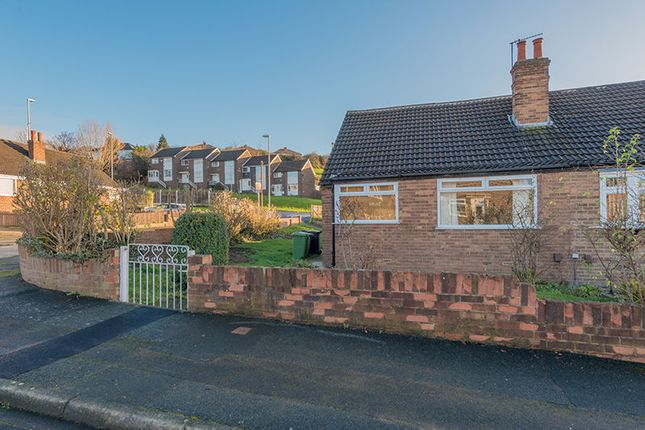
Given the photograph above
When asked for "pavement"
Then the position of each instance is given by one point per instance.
(93, 356)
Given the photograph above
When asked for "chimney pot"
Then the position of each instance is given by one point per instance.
(36, 147)
(521, 50)
(537, 48)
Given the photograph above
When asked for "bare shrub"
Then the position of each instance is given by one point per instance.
(59, 204)
(355, 252)
(116, 214)
(244, 219)
(622, 230)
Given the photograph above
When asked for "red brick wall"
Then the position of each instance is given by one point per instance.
(161, 235)
(531, 90)
(95, 278)
(568, 201)
(452, 306)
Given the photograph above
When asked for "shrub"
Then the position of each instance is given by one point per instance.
(59, 205)
(244, 219)
(116, 213)
(204, 232)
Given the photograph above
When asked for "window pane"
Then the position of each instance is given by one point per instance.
(352, 189)
(461, 184)
(353, 208)
(509, 182)
(487, 208)
(615, 182)
(615, 206)
(381, 188)
(6, 186)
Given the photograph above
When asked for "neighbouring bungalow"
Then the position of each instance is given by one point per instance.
(14, 155)
(440, 186)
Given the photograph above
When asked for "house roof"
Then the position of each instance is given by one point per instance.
(14, 155)
(168, 152)
(127, 147)
(476, 136)
(257, 159)
(198, 153)
(229, 155)
(291, 166)
(288, 152)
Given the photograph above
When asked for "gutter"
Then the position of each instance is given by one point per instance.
(333, 228)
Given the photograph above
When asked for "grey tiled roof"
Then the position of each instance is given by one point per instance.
(229, 155)
(198, 153)
(476, 136)
(290, 166)
(256, 160)
(168, 152)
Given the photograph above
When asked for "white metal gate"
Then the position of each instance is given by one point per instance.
(155, 275)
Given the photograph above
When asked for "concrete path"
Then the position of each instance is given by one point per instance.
(265, 375)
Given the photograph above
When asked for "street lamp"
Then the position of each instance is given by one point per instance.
(111, 154)
(268, 138)
(29, 102)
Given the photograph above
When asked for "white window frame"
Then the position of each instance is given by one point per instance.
(14, 185)
(185, 162)
(485, 187)
(214, 163)
(154, 161)
(153, 175)
(632, 189)
(246, 169)
(277, 174)
(229, 173)
(366, 192)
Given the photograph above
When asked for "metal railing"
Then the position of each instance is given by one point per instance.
(155, 275)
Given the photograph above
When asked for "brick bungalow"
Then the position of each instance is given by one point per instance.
(436, 187)
(294, 178)
(14, 155)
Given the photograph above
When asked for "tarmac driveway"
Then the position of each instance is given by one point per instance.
(266, 375)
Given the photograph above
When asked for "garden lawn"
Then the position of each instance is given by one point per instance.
(551, 291)
(274, 252)
(285, 203)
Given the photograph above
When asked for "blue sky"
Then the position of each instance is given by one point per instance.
(228, 71)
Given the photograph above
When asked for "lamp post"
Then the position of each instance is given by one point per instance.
(29, 102)
(109, 133)
(268, 138)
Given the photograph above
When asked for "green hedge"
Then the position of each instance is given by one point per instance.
(204, 232)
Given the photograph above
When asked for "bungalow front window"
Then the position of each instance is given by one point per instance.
(622, 197)
(493, 202)
(375, 203)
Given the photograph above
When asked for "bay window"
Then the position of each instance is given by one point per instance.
(622, 196)
(488, 202)
(375, 203)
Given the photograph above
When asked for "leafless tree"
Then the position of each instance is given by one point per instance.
(64, 141)
(356, 253)
(96, 140)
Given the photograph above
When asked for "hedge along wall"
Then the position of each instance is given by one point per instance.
(95, 278)
(452, 306)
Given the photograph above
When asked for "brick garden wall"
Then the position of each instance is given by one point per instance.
(457, 307)
(95, 278)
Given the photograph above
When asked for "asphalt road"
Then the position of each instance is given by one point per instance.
(281, 376)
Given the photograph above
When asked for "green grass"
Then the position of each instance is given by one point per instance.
(285, 203)
(273, 252)
(143, 293)
(583, 293)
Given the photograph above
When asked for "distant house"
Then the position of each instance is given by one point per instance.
(193, 166)
(165, 165)
(125, 152)
(441, 186)
(294, 178)
(255, 170)
(226, 169)
(14, 155)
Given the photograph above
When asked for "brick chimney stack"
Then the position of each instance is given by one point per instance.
(530, 86)
(36, 147)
